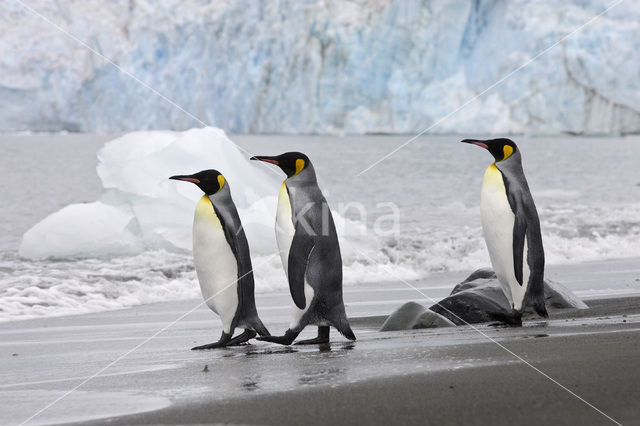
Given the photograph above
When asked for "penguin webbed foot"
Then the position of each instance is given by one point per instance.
(286, 340)
(323, 337)
(516, 319)
(242, 338)
(223, 342)
(215, 345)
(513, 319)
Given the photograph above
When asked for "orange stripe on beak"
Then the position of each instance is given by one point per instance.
(186, 179)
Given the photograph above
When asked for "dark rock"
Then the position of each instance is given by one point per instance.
(482, 273)
(477, 299)
(558, 296)
(472, 307)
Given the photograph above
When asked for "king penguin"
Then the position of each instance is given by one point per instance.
(512, 229)
(222, 261)
(310, 252)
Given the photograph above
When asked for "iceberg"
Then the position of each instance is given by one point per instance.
(141, 209)
(384, 66)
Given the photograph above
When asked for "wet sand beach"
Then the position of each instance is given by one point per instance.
(148, 375)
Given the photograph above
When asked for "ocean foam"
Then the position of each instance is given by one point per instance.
(132, 246)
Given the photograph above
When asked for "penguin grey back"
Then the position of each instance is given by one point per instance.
(527, 224)
(314, 225)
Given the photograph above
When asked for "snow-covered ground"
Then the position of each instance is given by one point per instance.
(125, 240)
(321, 66)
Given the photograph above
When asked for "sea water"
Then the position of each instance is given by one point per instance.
(420, 207)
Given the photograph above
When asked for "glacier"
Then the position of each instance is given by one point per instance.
(318, 66)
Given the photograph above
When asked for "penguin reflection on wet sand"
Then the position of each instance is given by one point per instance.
(512, 229)
(310, 252)
(222, 261)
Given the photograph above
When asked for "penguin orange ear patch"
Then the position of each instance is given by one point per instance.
(508, 150)
(299, 165)
(221, 180)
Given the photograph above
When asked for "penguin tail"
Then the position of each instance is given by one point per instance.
(345, 329)
(536, 301)
(338, 318)
(349, 334)
(259, 327)
(541, 309)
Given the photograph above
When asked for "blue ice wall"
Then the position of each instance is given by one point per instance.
(315, 66)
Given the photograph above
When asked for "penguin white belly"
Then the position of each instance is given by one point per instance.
(284, 236)
(497, 224)
(215, 263)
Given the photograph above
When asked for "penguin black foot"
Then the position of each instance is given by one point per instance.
(287, 339)
(323, 337)
(513, 319)
(223, 342)
(516, 320)
(242, 338)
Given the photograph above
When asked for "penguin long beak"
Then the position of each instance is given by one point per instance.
(475, 142)
(186, 178)
(265, 159)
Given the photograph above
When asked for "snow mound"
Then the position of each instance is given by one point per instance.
(141, 209)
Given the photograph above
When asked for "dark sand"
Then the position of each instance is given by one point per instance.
(594, 353)
(500, 394)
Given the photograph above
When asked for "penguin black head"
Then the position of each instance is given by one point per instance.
(291, 163)
(501, 148)
(210, 181)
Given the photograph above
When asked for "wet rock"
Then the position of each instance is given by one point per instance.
(411, 316)
(473, 307)
(477, 299)
(558, 296)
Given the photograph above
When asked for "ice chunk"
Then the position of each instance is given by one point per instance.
(83, 229)
(142, 209)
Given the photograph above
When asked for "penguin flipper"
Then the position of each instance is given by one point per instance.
(519, 233)
(301, 247)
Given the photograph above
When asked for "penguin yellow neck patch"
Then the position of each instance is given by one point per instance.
(205, 212)
(493, 180)
(220, 181)
(507, 150)
(299, 165)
